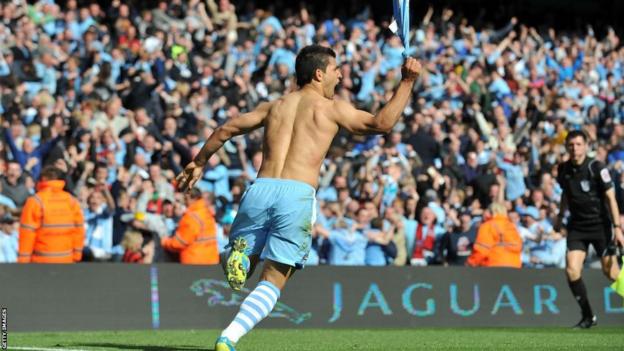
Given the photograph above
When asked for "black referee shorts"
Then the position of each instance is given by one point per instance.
(600, 240)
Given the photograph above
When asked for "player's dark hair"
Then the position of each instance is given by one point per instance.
(574, 134)
(309, 59)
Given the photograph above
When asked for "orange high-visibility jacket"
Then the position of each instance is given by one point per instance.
(498, 244)
(51, 227)
(196, 237)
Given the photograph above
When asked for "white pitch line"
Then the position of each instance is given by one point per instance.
(41, 348)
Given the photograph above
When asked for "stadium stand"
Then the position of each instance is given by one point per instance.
(121, 99)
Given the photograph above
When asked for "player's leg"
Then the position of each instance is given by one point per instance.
(277, 273)
(287, 247)
(575, 257)
(282, 258)
(260, 302)
(237, 328)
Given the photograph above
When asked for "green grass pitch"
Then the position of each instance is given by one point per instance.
(599, 338)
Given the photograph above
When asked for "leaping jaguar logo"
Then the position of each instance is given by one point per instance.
(220, 294)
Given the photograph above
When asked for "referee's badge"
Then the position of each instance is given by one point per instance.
(585, 185)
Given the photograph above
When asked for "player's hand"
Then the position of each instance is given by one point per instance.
(191, 174)
(619, 237)
(411, 69)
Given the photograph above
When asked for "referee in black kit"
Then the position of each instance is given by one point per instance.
(589, 196)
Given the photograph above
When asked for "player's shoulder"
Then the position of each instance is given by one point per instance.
(341, 107)
(339, 110)
(267, 105)
(341, 104)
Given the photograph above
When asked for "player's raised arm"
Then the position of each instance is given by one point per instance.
(242, 124)
(362, 122)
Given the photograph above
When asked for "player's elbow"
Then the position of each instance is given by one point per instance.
(224, 132)
(378, 127)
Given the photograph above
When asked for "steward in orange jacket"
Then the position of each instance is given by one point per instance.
(498, 242)
(52, 224)
(196, 237)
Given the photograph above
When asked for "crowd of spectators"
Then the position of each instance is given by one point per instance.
(122, 98)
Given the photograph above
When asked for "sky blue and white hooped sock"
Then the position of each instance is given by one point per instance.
(254, 308)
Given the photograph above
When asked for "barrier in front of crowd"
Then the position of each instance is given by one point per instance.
(171, 296)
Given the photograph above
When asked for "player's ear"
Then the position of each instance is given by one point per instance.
(318, 74)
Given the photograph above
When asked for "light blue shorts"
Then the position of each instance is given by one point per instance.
(275, 217)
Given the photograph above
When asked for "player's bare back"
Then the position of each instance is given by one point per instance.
(298, 132)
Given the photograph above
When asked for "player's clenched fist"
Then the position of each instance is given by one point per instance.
(411, 69)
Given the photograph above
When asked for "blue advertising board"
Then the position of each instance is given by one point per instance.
(172, 296)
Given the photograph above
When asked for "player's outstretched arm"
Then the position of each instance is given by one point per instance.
(362, 122)
(242, 124)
